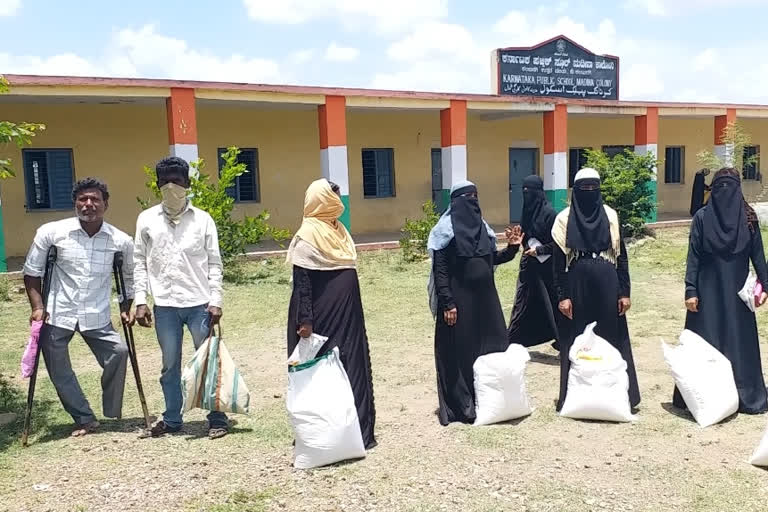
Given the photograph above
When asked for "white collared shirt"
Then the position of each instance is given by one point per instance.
(178, 264)
(81, 282)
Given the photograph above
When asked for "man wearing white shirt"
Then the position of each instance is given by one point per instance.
(79, 300)
(178, 263)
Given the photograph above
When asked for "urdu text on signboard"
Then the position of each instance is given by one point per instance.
(558, 68)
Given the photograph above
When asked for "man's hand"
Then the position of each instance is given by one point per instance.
(566, 308)
(37, 316)
(128, 318)
(450, 317)
(215, 313)
(143, 315)
(305, 331)
(624, 304)
(692, 304)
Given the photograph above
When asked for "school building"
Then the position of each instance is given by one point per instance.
(390, 151)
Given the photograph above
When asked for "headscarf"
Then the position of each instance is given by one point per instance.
(468, 224)
(322, 242)
(538, 214)
(726, 229)
(588, 226)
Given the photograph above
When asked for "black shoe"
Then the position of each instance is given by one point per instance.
(161, 428)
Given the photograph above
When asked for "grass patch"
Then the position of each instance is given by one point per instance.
(238, 501)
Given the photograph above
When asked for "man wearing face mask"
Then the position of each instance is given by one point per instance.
(179, 265)
(79, 300)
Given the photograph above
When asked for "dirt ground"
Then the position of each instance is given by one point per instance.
(664, 461)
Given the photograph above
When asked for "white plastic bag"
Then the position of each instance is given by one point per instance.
(322, 410)
(307, 349)
(704, 378)
(500, 391)
(760, 456)
(598, 384)
(747, 292)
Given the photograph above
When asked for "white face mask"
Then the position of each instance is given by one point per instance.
(174, 200)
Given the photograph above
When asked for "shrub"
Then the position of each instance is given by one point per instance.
(627, 186)
(416, 233)
(234, 235)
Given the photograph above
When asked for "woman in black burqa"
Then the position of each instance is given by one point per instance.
(592, 276)
(326, 295)
(535, 316)
(725, 236)
(463, 297)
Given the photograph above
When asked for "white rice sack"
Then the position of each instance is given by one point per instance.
(598, 384)
(760, 457)
(500, 390)
(322, 410)
(704, 377)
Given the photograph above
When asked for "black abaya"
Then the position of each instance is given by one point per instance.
(594, 286)
(468, 285)
(330, 301)
(723, 320)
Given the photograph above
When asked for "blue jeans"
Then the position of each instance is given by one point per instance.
(169, 326)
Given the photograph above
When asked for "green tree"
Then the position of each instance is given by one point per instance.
(735, 139)
(416, 233)
(19, 134)
(627, 186)
(234, 235)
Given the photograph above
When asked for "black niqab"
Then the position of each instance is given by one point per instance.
(469, 231)
(726, 231)
(588, 227)
(538, 214)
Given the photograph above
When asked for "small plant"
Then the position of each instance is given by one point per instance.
(5, 289)
(234, 235)
(416, 233)
(735, 139)
(19, 134)
(626, 183)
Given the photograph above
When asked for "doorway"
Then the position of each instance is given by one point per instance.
(522, 162)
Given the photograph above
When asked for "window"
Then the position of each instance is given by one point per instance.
(674, 167)
(612, 151)
(246, 188)
(48, 177)
(379, 173)
(751, 170)
(577, 160)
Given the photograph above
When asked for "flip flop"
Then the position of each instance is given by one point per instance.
(217, 432)
(86, 429)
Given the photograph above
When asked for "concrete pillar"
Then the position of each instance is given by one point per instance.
(646, 142)
(555, 171)
(453, 143)
(333, 148)
(182, 124)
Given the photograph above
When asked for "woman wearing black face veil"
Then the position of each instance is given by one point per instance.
(463, 298)
(535, 317)
(725, 236)
(592, 276)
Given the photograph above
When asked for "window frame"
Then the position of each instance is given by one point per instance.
(256, 180)
(572, 176)
(391, 152)
(682, 165)
(756, 164)
(27, 193)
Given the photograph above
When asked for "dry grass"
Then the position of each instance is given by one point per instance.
(543, 463)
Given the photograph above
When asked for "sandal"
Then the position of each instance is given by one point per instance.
(82, 430)
(161, 428)
(217, 432)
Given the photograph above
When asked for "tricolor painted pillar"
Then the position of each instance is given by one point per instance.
(453, 144)
(722, 150)
(333, 148)
(182, 124)
(646, 143)
(555, 173)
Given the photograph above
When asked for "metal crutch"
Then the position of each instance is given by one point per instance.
(128, 332)
(49, 263)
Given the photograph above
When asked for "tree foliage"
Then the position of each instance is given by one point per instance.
(416, 233)
(735, 139)
(19, 134)
(626, 183)
(234, 234)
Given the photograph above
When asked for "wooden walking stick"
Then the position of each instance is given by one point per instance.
(49, 263)
(128, 332)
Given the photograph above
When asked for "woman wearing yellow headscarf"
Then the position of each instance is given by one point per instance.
(326, 295)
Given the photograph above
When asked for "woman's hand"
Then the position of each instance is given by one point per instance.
(450, 317)
(692, 304)
(763, 297)
(624, 304)
(514, 235)
(566, 308)
(305, 331)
